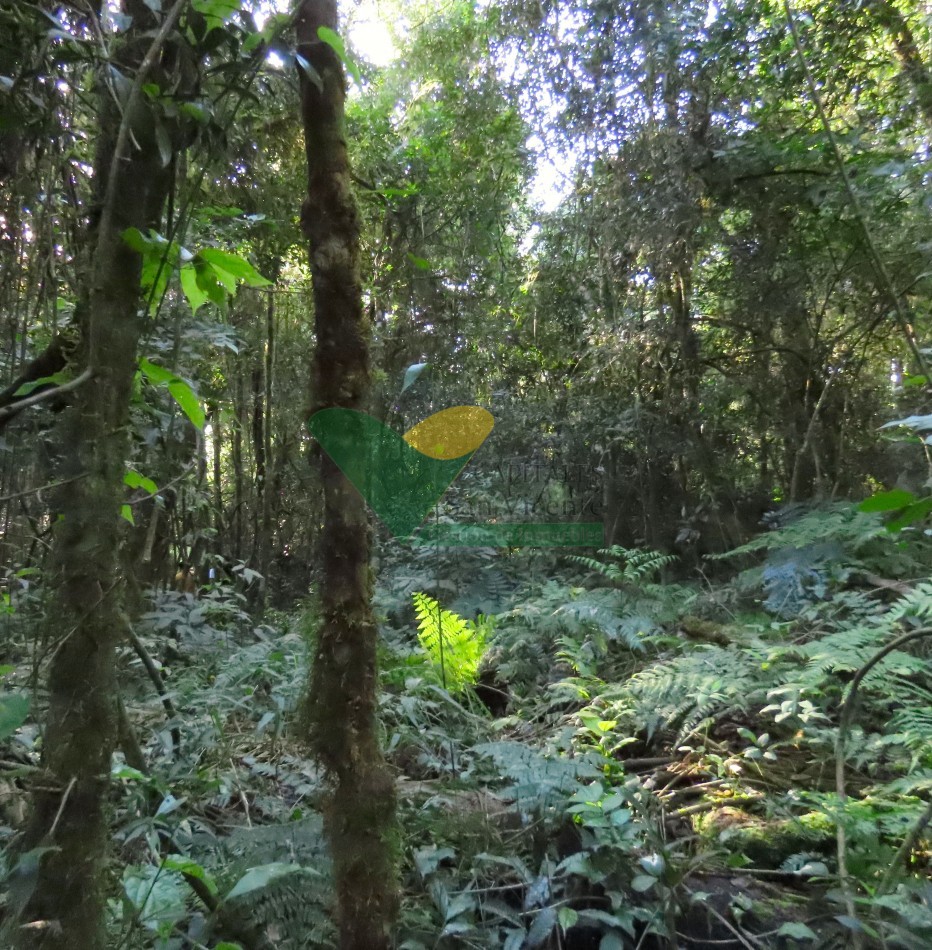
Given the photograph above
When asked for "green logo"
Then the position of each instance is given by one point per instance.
(401, 476)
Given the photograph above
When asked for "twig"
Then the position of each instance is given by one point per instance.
(158, 491)
(905, 849)
(158, 683)
(41, 488)
(716, 803)
(16, 407)
(61, 807)
(743, 939)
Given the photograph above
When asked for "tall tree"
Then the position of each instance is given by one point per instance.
(68, 817)
(342, 698)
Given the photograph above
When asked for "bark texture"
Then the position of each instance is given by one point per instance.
(342, 692)
(66, 907)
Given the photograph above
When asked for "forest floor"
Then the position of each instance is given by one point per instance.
(605, 759)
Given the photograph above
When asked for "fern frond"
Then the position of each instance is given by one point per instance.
(628, 565)
(689, 689)
(454, 645)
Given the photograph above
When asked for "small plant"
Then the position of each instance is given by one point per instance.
(455, 645)
(626, 565)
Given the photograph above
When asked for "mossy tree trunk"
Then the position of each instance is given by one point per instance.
(66, 908)
(343, 684)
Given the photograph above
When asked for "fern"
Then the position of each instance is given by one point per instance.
(630, 565)
(689, 691)
(840, 524)
(455, 645)
(591, 611)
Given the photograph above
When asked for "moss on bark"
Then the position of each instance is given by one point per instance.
(360, 816)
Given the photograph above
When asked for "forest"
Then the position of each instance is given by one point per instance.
(465, 474)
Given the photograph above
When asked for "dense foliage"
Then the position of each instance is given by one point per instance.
(681, 252)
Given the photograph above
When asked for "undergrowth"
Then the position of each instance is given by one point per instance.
(662, 768)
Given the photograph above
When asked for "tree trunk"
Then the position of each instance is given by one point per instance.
(268, 497)
(342, 695)
(239, 423)
(216, 438)
(66, 908)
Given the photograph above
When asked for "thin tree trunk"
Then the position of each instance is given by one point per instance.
(265, 528)
(239, 403)
(217, 445)
(360, 815)
(66, 910)
(258, 453)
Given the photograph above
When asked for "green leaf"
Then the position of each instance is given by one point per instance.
(195, 296)
(158, 895)
(918, 423)
(190, 405)
(225, 278)
(611, 941)
(887, 501)
(180, 390)
(642, 882)
(797, 930)
(216, 12)
(56, 379)
(335, 42)
(136, 240)
(155, 374)
(567, 918)
(237, 267)
(163, 143)
(411, 375)
(910, 515)
(126, 512)
(159, 257)
(134, 480)
(186, 866)
(208, 282)
(257, 878)
(542, 927)
(13, 712)
(421, 263)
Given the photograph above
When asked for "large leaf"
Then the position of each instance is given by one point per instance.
(236, 267)
(259, 877)
(918, 423)
(157, 894)
(412, 373)
(135, 480)
(335, 42)
(14, 709)
(193, 292)
(56, 379)
(180, 390)
(887, 501)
